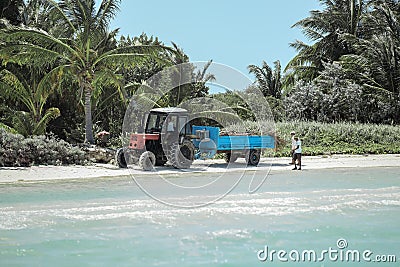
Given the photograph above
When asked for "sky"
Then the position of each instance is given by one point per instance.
(235, 33)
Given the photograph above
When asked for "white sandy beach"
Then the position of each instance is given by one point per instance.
(38, 173)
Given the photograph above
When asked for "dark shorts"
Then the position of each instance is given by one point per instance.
(297, 156)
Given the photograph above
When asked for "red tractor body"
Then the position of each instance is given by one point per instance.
(138, 141)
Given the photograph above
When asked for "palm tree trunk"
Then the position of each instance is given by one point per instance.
(88, 117)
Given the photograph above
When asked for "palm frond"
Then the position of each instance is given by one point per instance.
(28, 54)
(263, 76)
(108, 78)
(22, 122)
(38, 41)
(49, 84)
(50, 114)
(106, 12)
(58, 9)
(178, 55)
(204, 71)
(155, 51)
(14, 89)
(123, 60)
(8, 128)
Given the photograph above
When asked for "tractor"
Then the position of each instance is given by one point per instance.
(166, 137)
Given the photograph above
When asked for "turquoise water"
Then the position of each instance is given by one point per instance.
(110, 222)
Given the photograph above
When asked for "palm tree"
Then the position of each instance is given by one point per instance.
(189, 79)
(268, 80)
(33, 96)
(82, 51)
(324, 28)
(375, 63)
(380, 51)
(27, 88)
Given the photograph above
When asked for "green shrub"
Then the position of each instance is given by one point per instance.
(340, 138)
(15, 150)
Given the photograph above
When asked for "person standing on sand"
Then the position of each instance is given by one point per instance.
(297, 154)
(292, 134)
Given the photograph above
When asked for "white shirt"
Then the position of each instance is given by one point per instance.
(298, 143)
(170, 126)
(293, 143)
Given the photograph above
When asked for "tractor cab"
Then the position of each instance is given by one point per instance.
(165, 120)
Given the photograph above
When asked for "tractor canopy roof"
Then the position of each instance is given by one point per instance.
(169, 110)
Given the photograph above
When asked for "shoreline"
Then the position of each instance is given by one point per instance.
(45, 173)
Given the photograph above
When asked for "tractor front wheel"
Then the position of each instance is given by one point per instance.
(147, 161)
(120, 158)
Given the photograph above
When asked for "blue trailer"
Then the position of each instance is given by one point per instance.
(209, 142)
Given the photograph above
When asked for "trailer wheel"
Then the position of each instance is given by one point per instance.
(120, 158)
(230, 157)
(147, 161)
(253, 157)
(181, 156)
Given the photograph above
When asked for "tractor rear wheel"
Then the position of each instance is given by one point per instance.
(253, 157)
(147, 161)
(181, 156)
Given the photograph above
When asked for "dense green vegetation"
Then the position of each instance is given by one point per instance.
(320, 138)
(349, 71)
(63, 71)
